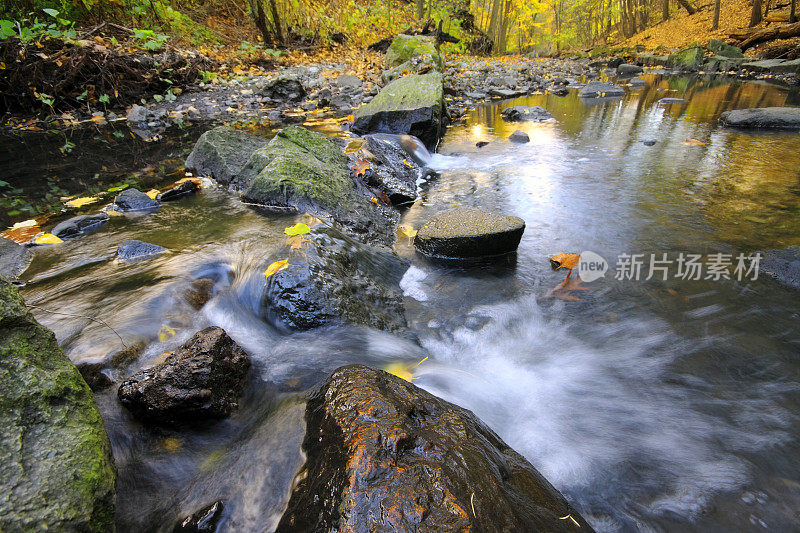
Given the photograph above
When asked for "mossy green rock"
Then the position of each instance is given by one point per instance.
(56, 469)
(412, 105)
(688, 58)
(222, 152)
(406, 47)
(721, 48)
(306, 171)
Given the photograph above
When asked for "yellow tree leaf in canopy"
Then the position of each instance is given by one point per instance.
(277, 266)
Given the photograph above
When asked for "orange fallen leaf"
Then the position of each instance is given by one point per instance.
(21, 234)
(694, 142)
(360, 167)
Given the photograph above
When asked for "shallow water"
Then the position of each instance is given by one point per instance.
(652, 405)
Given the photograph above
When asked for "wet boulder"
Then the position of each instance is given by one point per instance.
(467, 232)
(782, 118)
(133, 250)
(393, 169)
(783, 265)
(284, 89)
(222, 152)
(135, 200)
(406, 47)
(599, 89)
(201, 380)
(306, 171)
(203, 521)
(14, 258)
(179, 191)
(79, 226)
(519, 137)
(385, 455)
(520, 113)
(412, 105)
(331, 279)
(57, 470)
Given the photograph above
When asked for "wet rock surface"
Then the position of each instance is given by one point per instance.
(519, 137)
(520, 113)
(306, 171)
(385, 455)
(222, 152)
(599, 89)
(628, 70)
(57, 469)
(332, 279)
(393, 169)
(131, 200)
(203, 521)
(79, 226)
(787, 118)
(201, 380)
(783, 265)
(413, 105)
(180, 191)
(469, 233)
(14, 258)
(133, 250)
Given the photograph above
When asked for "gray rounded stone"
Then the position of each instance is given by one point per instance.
(467, 232)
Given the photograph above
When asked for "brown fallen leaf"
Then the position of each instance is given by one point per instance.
(360, 167)
(693, 142)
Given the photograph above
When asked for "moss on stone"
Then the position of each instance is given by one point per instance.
(688, 57)
(415, 91)
(405, 47)
(58, 473)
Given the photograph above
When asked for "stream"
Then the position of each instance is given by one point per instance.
(652, 405)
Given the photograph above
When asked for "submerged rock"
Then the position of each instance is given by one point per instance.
(306, 171)
(385, 455)
(202, 379)
(519, 137)
(14, 258)
(787, 118)
(79, 226)
(181, 190)
(135, 200)
(203, 521)
(134, 250)
(469, 233)
(413, 105)
(57, 469)
(393, 170)
(599, 89)
(526, 113)
(331, 279)
(783, 265)
(222, 152)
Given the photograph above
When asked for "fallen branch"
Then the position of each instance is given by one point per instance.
(768, 34)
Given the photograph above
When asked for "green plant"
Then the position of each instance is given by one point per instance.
(32, 29)
(150, 40)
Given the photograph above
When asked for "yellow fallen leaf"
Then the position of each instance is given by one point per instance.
(402, 370)
(152, 193)
(406, 163)
(80, 202)
(277, 266)
(353, 146)
(694, 142)
(296, 242)
(171, 444)
(165, 333)
(297, 229)
(374, 200)
(47, 238)
(406, 231)
(113, 213)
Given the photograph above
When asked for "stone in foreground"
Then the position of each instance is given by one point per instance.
(385, 455)
(79, 226)
(413, 105)
(464, 233)
(56, 464)
(599, 89)
(14, 258)
(519, 113)
(201, 380)
(783, 118)
(135, 200)
(783, 265)
(133, 250)
(222, 152)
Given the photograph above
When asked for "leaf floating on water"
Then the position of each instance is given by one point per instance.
(406, 231)
(693, 142)
(277, 266)
(171, 444)
(25, 224)
(113, 213)
(165, 333)
(402, 370)
(80, 202)
(297, 229)
(153, 193)
(47, 238)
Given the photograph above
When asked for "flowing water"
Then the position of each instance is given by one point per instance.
(653, 405)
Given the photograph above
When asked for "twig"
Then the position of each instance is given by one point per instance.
(99, 321)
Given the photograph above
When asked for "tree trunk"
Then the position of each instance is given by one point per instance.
(755, 14)
(792, 15)
(665, 10)
(276, 21)
(260, 20)
(715, 23)
(420, 8)
(767, 34)
(687, 6)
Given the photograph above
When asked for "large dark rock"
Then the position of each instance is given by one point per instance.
(284, 89)
(469, 233)
(331, 279)
(599, 89)
(14, 258)
(135, 200)
(222, 152)
(627, 69)
(783, 265)
(179, 191)
(787, 118)
(385, 455)
(526, 113)
(393, 169)
(79, 226)
(201, 380)
(306, 171)
(134, 250)
(413, 105)
(56, 464)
